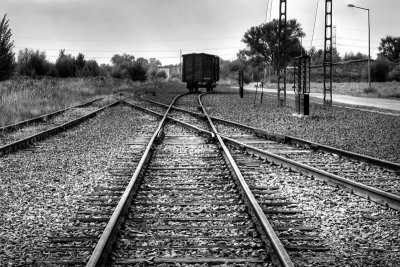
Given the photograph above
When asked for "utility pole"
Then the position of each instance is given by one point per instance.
(328, 69)
(334, 37)
(180, 58)
(282, 54)
(369, 43)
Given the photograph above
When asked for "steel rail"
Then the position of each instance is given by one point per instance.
(295, 140)
(280, 251)
(190, 126)
(371, 193)
(104, 245)
(17, 125)
(23, 143)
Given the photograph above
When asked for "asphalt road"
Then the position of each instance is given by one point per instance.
(381, 103)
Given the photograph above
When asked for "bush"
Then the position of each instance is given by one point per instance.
(137, 72)
(66, 67)
(380, 69)
(394, 75)
(91, 69)
(33, 63)
(369, 90)
(105, 70)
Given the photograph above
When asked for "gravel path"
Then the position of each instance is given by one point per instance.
(362, 132)
(41, 187)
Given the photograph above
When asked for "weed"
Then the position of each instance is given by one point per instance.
(370, 90)
(25, 98)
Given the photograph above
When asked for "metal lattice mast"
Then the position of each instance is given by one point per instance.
(334, 37)
(282, 54)
(328, 70)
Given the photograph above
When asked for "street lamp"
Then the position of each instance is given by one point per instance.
(369, 42)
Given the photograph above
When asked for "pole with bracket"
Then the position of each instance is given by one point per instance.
(282, 54)
(328, 69)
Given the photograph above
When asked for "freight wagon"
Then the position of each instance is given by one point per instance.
(200, 70)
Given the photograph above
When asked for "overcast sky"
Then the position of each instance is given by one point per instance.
(160, 28)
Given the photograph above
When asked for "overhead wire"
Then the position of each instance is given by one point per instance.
(266, 12)
(315, 21)
(128, 51)
(270, 10)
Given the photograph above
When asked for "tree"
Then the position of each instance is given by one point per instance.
(317, 56)
(33, 63)
(124, 59)
(80, 63)
(380, 69)
(105, 70)
(137, 72)
(7, 60)
(351, 56)
(66, 65)
(263, 40)
(122, 66)
(389, 48)
(91, 69)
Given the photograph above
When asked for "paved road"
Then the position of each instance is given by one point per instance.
(382, 103)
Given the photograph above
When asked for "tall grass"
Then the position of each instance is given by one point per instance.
(24, 98)
(378, 89)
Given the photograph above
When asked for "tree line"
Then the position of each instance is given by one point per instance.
(262, 50)
(35, 63)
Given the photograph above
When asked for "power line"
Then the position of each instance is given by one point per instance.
(315, 20)
(270, 10)
(128, 51)
(129, 41)
(266, 12)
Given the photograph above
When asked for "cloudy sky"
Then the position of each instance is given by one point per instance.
(161, 28)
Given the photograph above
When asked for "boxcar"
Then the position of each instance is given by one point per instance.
(200, 70)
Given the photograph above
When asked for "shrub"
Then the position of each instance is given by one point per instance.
(394, 75)
(33, 63)
(369, 90)
(137, 72)
(105, 70)
(380, 69)
(91, 69)
(66, 65)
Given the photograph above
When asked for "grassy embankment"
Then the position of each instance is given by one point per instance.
(380, 90)
(28, 98)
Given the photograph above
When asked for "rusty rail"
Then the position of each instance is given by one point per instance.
(23, 143)
(15, 126)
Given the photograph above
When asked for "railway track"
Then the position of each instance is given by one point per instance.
(25, 133)
(188, 203)
(275, 186)
(74, 243)
(188, 208)
(279, 208)
(369, 177)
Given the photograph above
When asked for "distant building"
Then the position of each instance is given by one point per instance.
(170, 70)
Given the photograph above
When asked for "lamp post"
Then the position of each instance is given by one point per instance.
(369, 42)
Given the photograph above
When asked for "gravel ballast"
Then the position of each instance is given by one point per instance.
(356, 231)
(367, 133)
(41, 186)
